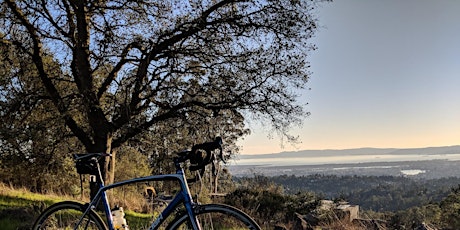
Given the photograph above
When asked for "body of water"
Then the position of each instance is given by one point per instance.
(346, 159)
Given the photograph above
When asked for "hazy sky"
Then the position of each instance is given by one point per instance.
(386, 74)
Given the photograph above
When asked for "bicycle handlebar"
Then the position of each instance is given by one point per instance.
(208, 147)
(198, 162)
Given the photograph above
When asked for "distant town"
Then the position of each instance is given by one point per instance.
(427, 163)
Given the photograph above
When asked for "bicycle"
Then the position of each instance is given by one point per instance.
(76, 215)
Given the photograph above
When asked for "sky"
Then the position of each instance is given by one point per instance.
(386, 75)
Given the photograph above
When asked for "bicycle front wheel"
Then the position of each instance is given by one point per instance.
(66, 215)
(216, 217)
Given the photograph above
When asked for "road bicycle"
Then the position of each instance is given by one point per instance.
(189, 215)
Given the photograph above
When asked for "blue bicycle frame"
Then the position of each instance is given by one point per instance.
(183, 196)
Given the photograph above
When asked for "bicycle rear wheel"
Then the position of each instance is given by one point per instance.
(65, 215)
(216, 217)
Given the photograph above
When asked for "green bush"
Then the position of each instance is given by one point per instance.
(268, 203)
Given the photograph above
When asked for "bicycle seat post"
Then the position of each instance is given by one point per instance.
(99, 177)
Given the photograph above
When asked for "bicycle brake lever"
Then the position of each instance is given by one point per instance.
(221, 156)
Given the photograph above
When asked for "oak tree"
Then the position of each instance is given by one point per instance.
(128, 65)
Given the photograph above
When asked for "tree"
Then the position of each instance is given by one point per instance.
(450, 208)
(33, 154)
(129, 64)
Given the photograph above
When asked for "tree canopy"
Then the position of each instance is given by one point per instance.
(112, 70)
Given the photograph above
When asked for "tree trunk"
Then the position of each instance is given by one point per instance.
(106, 164)
(109, 166)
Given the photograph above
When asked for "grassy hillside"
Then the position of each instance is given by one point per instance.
(19, 208)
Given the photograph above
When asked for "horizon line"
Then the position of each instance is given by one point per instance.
(357, 148)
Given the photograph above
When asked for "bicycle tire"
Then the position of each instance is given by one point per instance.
(65, 215)
(216, 217)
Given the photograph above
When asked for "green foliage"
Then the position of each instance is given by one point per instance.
(414, 217)
(19, 207)
(415, 202)
(450, 207)
(35, 142)
(131, 164)
(43, 173)
(378, 193)
(267, 202)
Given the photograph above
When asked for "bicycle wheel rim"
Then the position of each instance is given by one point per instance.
(66, 215)
(216, 217)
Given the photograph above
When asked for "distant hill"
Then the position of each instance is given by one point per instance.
(359, 151)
